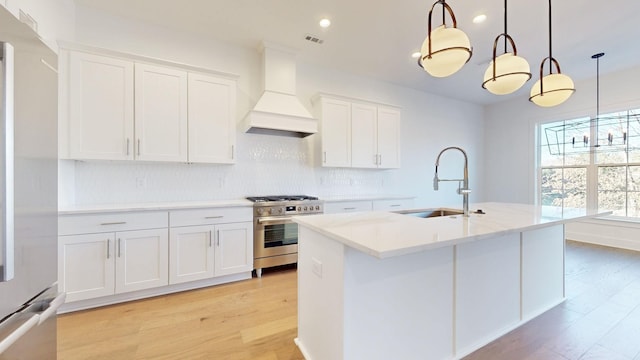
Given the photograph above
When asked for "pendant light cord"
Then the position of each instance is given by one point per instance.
(550, 56)
(505, 26)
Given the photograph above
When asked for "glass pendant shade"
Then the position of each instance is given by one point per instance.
(450, 50)
(554, 90)
(511, 72)
(446, 49)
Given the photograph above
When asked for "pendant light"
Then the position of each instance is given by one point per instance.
(508, 72)
(554, 88)
(446, 49)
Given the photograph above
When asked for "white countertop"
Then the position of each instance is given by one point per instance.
(177, 205)
(364, 197)
(105, 208)
(386, 234)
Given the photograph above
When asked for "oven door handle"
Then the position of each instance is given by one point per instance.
(275, 220)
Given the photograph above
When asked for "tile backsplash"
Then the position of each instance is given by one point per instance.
(265, 165)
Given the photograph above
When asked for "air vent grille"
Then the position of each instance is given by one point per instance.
(313, 39)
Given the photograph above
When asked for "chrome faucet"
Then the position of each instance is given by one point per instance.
(462, 190)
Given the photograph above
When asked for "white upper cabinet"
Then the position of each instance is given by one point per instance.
(118, 109)
(100, 107)
(388, 137)
(335, 129)
(160, 113)
(364, 150)
(212, 119)
(358, 134)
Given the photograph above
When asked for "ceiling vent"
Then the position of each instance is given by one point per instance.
(313, 39)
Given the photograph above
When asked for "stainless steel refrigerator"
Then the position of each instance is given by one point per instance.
(28, 194)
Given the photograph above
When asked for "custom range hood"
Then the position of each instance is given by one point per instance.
(278, 111)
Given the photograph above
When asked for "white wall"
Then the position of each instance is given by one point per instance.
(55, 18)
(509, 144)
(269, 164)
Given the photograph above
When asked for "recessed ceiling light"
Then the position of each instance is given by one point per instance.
(325, 23)
(479, 18)
(416, 55)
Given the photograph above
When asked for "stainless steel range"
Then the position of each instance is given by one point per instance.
(275, 235)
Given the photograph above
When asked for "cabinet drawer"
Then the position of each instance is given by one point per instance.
(347, 206)
(111, 222)
(210, 216)
(392, 205)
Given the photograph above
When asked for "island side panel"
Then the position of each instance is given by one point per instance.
(542, 270)
(399, 307)
(487, 291)
(320, 296)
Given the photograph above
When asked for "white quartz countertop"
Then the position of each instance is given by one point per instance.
(156, 206)
(386, 234)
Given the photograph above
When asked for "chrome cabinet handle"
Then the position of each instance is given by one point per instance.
(114, 223)
(324, 157)
(128, 146)
(119, 247)
(349, 208)
(214, 217)
(138, 147)
(233, 152)
(210, 236)
(218, 238)
(379, 159)
(108, 248)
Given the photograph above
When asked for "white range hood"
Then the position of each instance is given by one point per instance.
(278, 111)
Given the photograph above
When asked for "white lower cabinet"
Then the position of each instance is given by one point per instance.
(234, 248)
(142, 259)
(86, 266)
(216, 249)
(94, 265)
(103, 255)
(191, 249)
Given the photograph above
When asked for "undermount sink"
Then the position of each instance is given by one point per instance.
(429, 213)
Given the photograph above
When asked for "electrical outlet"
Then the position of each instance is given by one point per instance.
(141, 182)
(317, 267)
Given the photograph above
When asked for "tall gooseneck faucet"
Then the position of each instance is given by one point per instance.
(462, 190)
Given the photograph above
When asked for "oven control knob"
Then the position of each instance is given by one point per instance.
(305, 208)
(299, 208)
(317, 207)
(280, 210)
(259, 211)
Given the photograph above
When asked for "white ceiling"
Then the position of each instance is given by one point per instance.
(375, 38)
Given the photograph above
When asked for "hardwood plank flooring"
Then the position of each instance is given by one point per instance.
(253, 319)
(257, 319)
(600, 318)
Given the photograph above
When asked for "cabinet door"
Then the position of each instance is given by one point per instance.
(190, 253)
(388, 137)
(336, 133)
(100, 107)
(212, 119)
(233, 248)
(364, 152)
(161, 113)
(86, 265)
(142, 259)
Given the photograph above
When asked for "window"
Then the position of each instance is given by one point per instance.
(592, 163)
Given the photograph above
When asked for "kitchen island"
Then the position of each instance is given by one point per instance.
(380, 285)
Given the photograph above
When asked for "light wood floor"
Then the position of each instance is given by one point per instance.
(256, 319)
